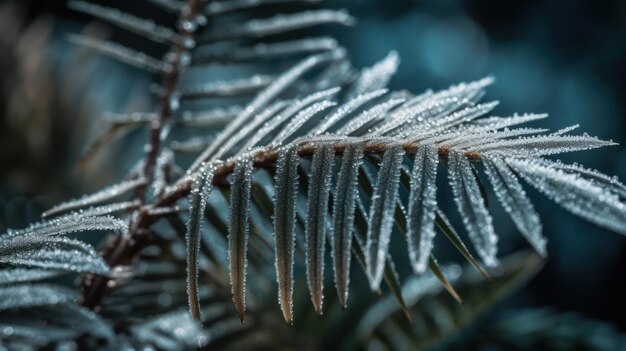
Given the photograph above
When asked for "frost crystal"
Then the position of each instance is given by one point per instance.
(315, 227)
(301, 118)
(422, 206)
(345, 110)
(57, 253)
(284, 226)
(238, 231)
(515, 202)
(471, 205)
(103, 195)
(296, 107)
(576, 194)
(71, 223)
(202, 185)
(543, 145)
(261, 100)
(376, 77)
(344, 203)
(381, 218)
(245, 131)
(366, 117)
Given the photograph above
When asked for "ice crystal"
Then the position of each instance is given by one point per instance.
(103, 195)
(376, 77)
(344, 204)
(316, 221)
(422, 206)
(381, 215)
(471, 205)
(284, 226)
(238, 231)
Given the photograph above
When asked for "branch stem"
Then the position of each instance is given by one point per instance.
(266, 159)
(122, 250)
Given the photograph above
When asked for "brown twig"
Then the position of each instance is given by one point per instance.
(121, 250)
(266, 159)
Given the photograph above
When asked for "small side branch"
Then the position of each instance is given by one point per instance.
(122, 250)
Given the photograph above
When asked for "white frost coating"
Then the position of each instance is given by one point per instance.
(262, 99)
(433, 127)
(228, 88)
(109, 209)
(471, 205)
(336, 74)
(543, 145)
(515, 202)
(71, 223)
(245, 131)
(215, 117)
(611, 184)
(345, 110)
(272, 125)
(576, 194)
(495, 123)
(281, 23)
(368, 116)
(402, 115)
(200, 191)
(286, 180)
(103, 195)
(422, 206)
(565, 130)
(344, 203)
(381, 215)
(316, 221)
(238, 231)
(56, 254)
(430, 115)
(466, 91)
(51, 253)
(376, 77)
(143, 27)
(299, 120)
(429, 107)
(461, 89)
(463, 139)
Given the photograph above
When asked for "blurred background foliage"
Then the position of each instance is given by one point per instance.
(566, 58)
